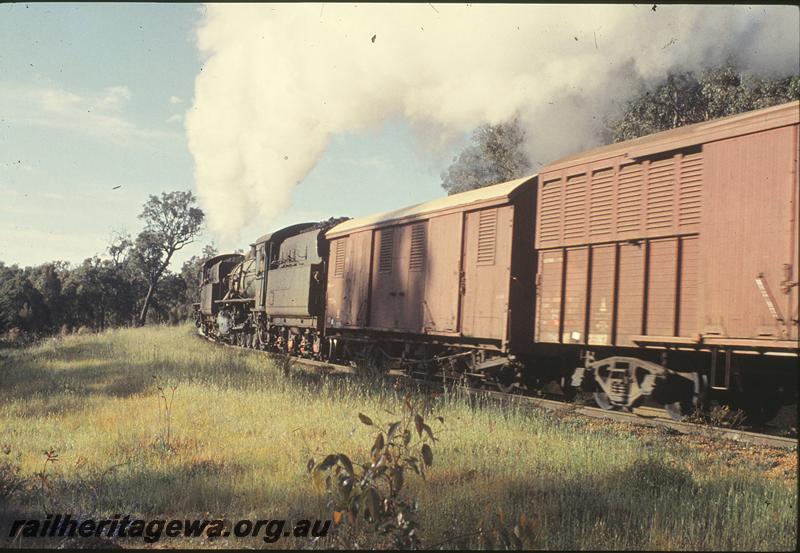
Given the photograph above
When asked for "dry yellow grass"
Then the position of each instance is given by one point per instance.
(241, 435)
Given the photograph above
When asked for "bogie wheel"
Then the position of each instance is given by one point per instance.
(679, 410)
(369, 360)
(683, 396)
(602, 401)
(759, 409)
(505, 387)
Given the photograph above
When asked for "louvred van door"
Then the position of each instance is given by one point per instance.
(486, 272)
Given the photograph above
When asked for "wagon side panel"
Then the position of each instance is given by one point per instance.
(347, 294)
(749, 235)
(442, 269)
(549, 296)
(601, 295)
(487, 272)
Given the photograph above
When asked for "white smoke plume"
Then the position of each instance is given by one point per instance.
(280, 80)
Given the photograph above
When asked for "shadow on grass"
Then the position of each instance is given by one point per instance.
(195, 490)
(648, 504)
(61, 376)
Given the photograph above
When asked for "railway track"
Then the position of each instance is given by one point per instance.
(641, 416)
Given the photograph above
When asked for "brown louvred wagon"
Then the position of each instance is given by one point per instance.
(676, 254)
(439, 284)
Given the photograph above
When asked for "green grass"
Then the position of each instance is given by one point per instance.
(242, 434)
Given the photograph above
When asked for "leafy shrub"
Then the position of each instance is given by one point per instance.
(367, 498)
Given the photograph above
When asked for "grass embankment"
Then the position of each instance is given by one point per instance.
(241, 434)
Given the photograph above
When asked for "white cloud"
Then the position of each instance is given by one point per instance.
(16, 164)
(174, 100)
(175, 118)
(57, 101)
(114, 97)
(32, 246)
(99, 115)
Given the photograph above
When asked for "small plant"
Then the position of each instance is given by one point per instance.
(506, 535)
(166, 398)
(368, 497)
(10, 479)
(15, 335)
(285, 364)
(723, 415)
(719, 415)
(368, 503)
(51, 457)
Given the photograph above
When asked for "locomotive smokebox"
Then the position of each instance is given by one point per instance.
(224, 322)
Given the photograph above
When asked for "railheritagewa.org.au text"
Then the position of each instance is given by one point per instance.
(151, 531)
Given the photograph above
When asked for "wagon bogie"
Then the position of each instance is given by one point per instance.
(627, 382)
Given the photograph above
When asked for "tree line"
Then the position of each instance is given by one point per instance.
(134, 285)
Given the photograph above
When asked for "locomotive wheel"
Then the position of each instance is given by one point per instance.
(369, 360)
(507, 379)
(602, 401)
(505, 387)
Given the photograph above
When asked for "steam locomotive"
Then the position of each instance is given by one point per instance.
(661, 269)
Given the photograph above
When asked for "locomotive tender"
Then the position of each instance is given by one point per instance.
(661, 268)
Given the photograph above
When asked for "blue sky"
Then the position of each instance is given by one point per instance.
(94, 101)
(92, 97)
